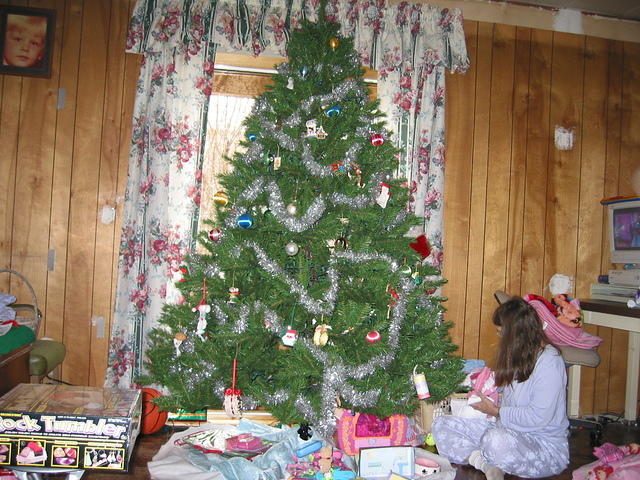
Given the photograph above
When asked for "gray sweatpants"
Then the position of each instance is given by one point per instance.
(523, 454)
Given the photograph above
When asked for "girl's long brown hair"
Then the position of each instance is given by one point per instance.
(522, 340)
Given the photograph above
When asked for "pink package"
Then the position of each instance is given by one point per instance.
(360, 430)
(244, 441)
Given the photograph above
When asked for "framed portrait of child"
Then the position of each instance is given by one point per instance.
(26, 40)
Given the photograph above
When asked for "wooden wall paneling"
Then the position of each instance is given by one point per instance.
(9, 128)
(630, 135)
(538, 132)
(84, 189)
(612, 173)
(498, 180)
(34, 169)
(518, 169)
(564, 165)
(68, 32)
(593, 136)
(457, 192)
(480, 111)
(107, 238)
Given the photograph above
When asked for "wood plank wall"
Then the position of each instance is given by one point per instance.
(60, 164)
(517, 209)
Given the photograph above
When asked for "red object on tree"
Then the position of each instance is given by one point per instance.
(421, 245)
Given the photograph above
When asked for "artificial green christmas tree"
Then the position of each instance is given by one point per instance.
(309, 284)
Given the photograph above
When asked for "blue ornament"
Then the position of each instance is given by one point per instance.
(334, 111)
(252, 136)
(304, 71)
(245, 221)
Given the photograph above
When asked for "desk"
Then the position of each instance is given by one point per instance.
(14, 368)
(618, 315)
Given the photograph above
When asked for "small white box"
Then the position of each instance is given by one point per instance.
(379, 462)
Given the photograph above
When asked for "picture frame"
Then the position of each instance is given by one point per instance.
(26, 41)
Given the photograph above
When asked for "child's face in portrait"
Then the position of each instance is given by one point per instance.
(24, 41)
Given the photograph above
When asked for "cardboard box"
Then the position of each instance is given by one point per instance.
(69, 427)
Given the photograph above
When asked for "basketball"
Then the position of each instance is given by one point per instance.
(152, 418)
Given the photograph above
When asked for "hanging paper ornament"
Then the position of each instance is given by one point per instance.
(420, 382)
(384, 195)
(234, 292)
(421, 245)
(289, 338)
(202, 309)
(291, 249)
(245, 221)
(321, 335)
(304, 71)
(221, 198)
(232, 403)
(373, 337)
(357, 172)
(312, 127)
(290, 83)
(215, 235)
(252, 137)
(277, 162)
(320, 133)
(292, 209)
(377, 139)
(177, 341)
(333, 111)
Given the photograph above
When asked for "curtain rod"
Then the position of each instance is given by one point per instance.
(260, 71)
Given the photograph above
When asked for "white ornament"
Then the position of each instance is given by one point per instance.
(291, 249)
(292, 209)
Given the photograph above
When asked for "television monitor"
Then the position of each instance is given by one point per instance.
(624, 229)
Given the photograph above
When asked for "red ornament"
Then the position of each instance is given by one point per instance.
(373, 337)
(152, 418)
(215, 235)
(421, 245)
(377, 139)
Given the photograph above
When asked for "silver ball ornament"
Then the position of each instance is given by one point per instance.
(291, 249)
(292, 209)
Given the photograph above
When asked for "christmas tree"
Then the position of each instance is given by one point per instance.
(309, 296)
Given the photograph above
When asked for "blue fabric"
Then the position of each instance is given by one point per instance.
(472, 364)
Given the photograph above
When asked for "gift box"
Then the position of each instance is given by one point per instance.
(68, 426)
(380, 462)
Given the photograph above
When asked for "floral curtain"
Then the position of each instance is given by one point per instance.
(409, 44)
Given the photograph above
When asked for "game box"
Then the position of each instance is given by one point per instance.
(68, 427)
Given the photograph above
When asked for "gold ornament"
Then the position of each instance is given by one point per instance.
(221, 198)
(334, 43)
(321, 335)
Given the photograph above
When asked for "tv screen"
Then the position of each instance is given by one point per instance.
(626, 228)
